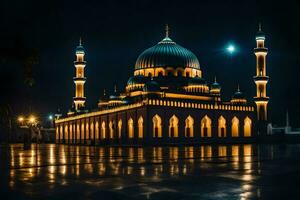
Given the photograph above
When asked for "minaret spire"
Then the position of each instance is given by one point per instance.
(115, 88)
(238, 88)
(215, 79)
(79, 79)
(259, 26)
(261, 78)
(167, 30)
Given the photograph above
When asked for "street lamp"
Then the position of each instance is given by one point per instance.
(21, 119)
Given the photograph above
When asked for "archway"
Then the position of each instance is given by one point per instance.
(221, 127)
(206, 126)
(97, 130)
(130, 128)
(120, 128)
(235, 127)
(140, 127)
(103, 130)
(247, 127)
(111, 130)
(189, 127)
(157, 129)
(173, 126)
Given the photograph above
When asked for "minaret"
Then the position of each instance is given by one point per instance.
(79, 80)
(261, 78)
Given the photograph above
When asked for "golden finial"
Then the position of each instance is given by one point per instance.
(167, 30)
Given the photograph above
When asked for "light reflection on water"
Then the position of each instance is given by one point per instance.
(58, 165)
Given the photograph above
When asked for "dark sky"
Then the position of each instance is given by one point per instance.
(115, 32)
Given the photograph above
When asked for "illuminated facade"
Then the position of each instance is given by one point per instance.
(166, 101)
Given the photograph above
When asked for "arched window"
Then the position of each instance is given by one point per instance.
(77, 131)
(221, 127)
(92, 130)
(61, 133)
(70, 132)
(111, 130)
(189, 127)
(66, 133)
(87, 132)
(103, 130)
(130, 128)
(140, 127)
(157, 129)
(235, 127)
(247, 127)
(82, 131)
(206, 126)
(120, 128)
(173, 126)
(97, 130)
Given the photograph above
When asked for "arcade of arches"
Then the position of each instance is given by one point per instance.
(116, 130)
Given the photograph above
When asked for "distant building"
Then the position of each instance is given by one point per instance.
(167, 100)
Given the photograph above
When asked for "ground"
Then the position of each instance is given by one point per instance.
(193, 172)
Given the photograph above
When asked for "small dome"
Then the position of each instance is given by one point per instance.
(167, 54)
(136, 80)
(238, 95)
(260, 35)
(80, 49)
(215, 86)
(151, 86)
(196, 81)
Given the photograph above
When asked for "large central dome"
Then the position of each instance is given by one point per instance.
(167, 54)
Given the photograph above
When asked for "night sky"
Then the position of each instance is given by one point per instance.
(114, 33)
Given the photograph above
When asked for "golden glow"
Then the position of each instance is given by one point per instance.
(189, 127)
(235, 127)
(205, 126)
(185, 96)
(173, 126)
(221, 127)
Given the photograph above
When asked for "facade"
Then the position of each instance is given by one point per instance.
(166, 101)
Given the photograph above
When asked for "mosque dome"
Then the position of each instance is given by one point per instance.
(167, 54)
(151, 86)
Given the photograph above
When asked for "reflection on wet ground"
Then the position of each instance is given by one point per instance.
(191, 172)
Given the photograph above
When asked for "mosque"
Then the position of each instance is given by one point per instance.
(166, 101)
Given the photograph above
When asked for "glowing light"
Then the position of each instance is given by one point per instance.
(20, 119)
(230, 49)
(50, 117)
(32, 119)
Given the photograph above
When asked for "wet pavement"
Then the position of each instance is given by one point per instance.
(49, 171)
